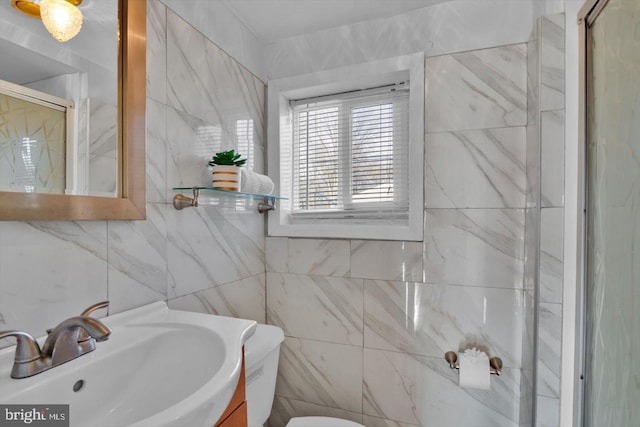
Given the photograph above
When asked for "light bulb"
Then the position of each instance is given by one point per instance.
(62, 19)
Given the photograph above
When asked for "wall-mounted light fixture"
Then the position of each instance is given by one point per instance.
(61, 18)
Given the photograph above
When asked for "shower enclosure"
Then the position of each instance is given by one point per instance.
(612, 244)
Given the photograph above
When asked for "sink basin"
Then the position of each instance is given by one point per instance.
(159, 368)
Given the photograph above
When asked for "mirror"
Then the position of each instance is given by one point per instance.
(100, 79)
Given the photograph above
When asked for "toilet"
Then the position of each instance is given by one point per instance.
(262, 351)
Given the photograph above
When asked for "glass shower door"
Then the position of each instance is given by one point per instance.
(612, 383)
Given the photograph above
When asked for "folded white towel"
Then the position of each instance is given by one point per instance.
(252, 182)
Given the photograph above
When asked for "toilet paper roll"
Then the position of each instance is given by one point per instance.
(474, 369)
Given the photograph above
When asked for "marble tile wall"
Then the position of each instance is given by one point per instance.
(209, 259)
(455, 26)
(217, 22)
(367, 322)
(103, 145)
(545, 217)
(552, 120)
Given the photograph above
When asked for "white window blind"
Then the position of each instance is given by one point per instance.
(350, 155)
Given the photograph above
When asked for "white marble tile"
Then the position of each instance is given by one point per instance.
(103, 145)
(207, 83)
(205, 250)
(551, 254)
(474, 247)
(103, 131)
(82, 148)
(323, 373)
(191, 142)
(156, 152)
(102, 176)
(284, 409)
(218, 105)
(244, 216)
(316, 307)
(424, 391)
(552, 158)
(156, 51)
(138, 252)
(552, 62)
(50, 271)
(319, 256)
(430, 320)
(277, 254)
(244, 299)
(126, 293)
(477, 90)
(386, 260)
(549, 350)
(547, 412)
(469, 26)
(476, 169)
(218, 23)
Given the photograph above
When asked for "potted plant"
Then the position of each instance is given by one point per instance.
(226, 170)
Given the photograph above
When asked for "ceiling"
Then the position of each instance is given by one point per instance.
(271, 20)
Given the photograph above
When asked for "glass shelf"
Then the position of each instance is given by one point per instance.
(201, 194)
(229, 193)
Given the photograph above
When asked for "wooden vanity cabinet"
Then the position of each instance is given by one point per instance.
(236, 413)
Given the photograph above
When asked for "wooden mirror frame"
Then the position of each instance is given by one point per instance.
(131, 201)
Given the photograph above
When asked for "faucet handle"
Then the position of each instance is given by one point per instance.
(28, 358)
(96, 306)
(27, 348)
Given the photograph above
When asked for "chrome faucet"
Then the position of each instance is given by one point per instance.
(63, 344)
(72, 338)
(86, 342)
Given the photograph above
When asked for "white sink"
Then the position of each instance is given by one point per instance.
(159, 368)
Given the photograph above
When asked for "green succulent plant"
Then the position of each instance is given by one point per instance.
(229, 158)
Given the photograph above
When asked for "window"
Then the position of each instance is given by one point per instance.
(350, 152)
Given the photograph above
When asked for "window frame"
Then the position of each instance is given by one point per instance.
(378, 226)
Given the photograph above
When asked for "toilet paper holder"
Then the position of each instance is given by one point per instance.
(495, 363)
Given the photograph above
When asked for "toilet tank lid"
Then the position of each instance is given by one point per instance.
(321, 422)
(265, 339)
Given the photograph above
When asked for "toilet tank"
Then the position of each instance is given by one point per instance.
(261, 351)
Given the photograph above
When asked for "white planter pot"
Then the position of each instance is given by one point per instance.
(226, 177)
